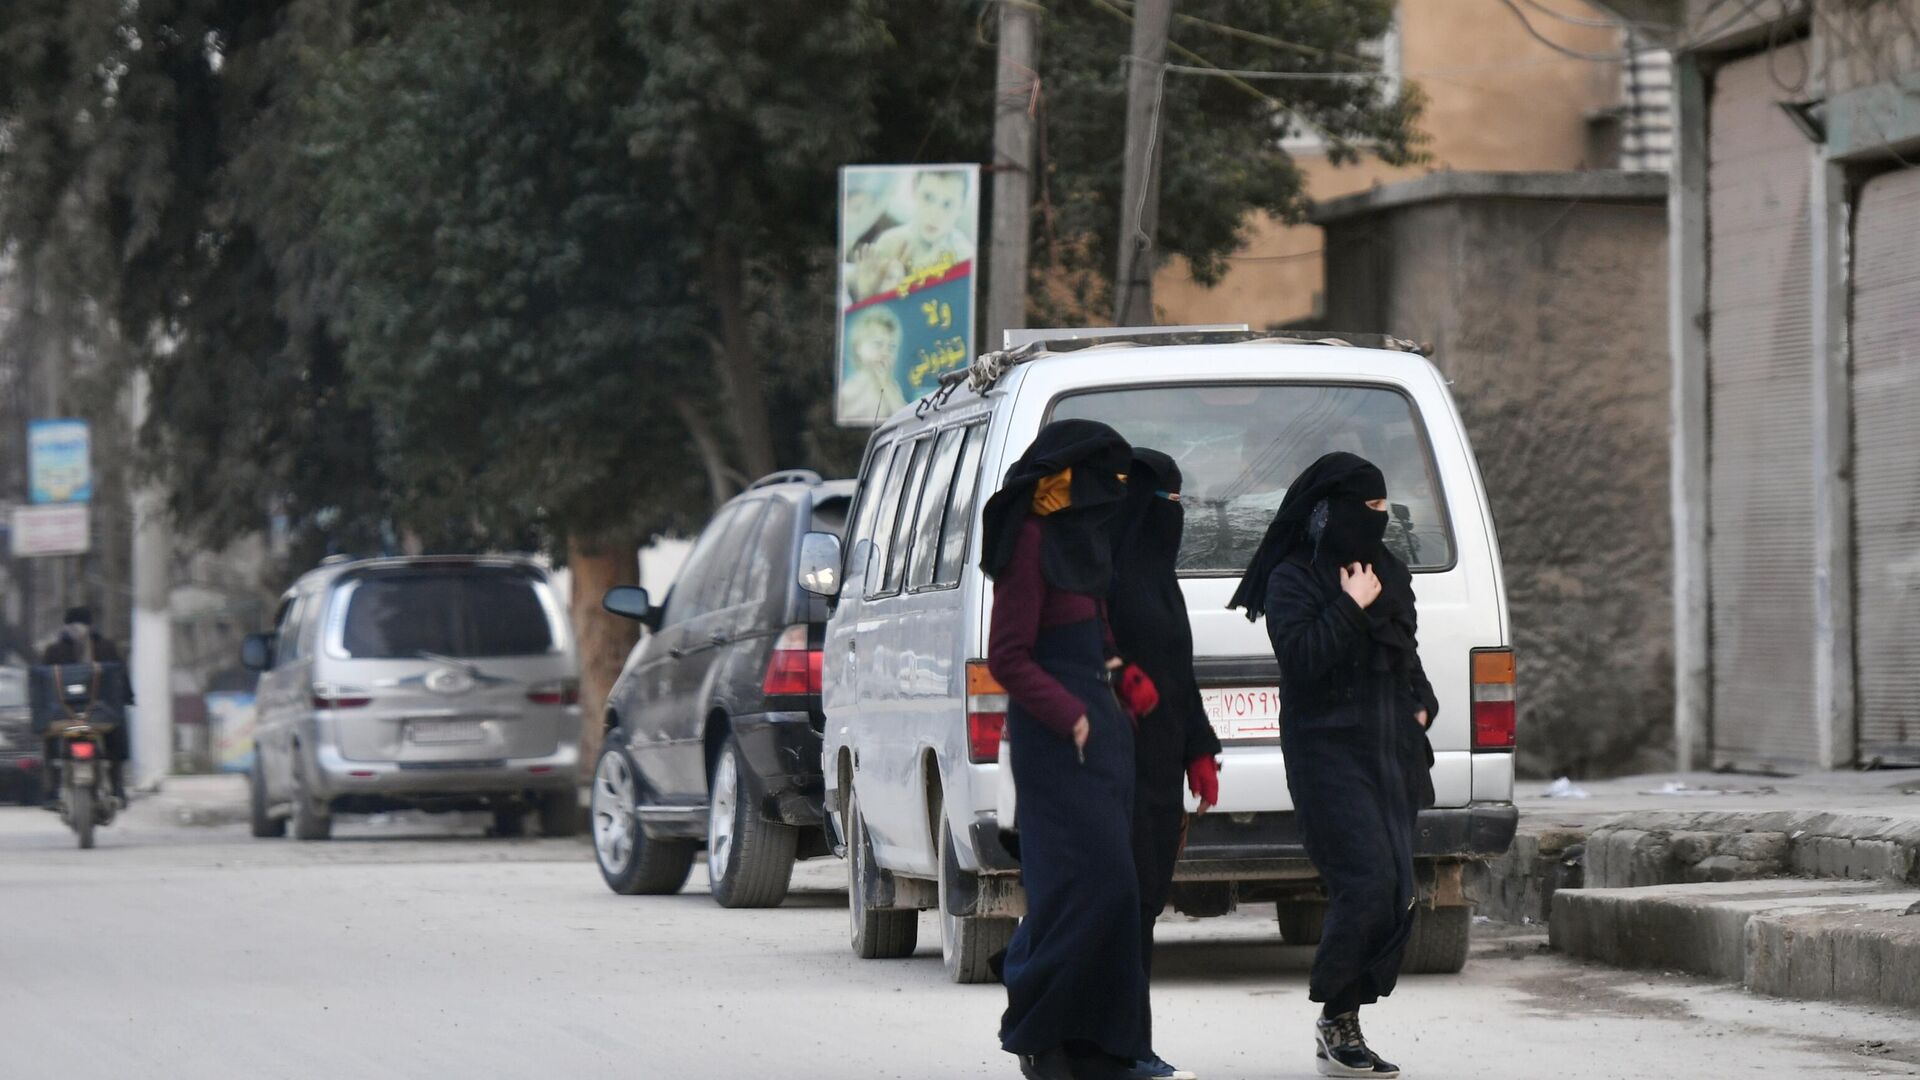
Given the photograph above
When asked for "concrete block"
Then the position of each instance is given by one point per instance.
(1867, 952)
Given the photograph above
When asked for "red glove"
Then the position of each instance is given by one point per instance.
(1138, 691)
(1203, 779)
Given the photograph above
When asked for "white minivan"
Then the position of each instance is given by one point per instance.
(914, 719)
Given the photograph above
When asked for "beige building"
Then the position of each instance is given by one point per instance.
(1497, 99)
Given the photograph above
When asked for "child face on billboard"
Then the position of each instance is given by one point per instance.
(937, 201)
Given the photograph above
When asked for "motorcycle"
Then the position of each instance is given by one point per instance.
(86, 791)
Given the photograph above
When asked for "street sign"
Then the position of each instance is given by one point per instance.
(50, 530)
(59, 469)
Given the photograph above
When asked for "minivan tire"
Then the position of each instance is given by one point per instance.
(312, 818)
(876, 934)
(261, 821)
(1441, 939)
(967, 943)
(750, 865)
(510, 821)
(646, 866)
(559, 812)
(1300, 920)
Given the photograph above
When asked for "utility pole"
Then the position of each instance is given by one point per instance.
(151, 649)
(1140, 187)
(1017, 93)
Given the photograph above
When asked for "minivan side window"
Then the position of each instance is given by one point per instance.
(681, 600)
(961, 500)
(286, 632)
(867, 504)
(903, 522)
(933, 509)
(887, 512)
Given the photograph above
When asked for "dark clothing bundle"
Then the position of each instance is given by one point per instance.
(1150, 629)
(1073, 972)
(1351, 683)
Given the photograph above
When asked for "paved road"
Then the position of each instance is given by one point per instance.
(420, 949)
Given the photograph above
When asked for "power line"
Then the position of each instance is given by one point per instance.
(1282, 76)
(1527, 24)
(1572, 20)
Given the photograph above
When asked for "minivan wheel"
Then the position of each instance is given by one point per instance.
(630, 862)
(262, 823)
(509, 820)
(749, 858)
(1441, 939)
(967, 943)
(312, 818)
(877, 934)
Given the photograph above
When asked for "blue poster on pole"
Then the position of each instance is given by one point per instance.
(908, 238)
(59, 469)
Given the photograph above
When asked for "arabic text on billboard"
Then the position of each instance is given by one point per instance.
(908, 234)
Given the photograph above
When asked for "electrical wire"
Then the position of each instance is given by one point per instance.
(1283, 76)
(1573, 20)
(1527, 24)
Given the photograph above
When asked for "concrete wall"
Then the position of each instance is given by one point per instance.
(1549, 315)
(1496, 98)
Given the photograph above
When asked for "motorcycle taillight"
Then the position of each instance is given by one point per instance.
(81, 751)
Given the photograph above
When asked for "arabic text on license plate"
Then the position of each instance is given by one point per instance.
(1243, 712)
(444, 731)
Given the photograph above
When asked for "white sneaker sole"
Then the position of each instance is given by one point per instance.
(1329, 1067)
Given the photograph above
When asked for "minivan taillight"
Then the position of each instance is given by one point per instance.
(794, 668)
(557, 692)
(986, 713)
(329, 696)
(1493, 707)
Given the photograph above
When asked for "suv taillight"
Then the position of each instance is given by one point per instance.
(794, 668)
(329, 696)
(986, 713)
(1493, 707)
(557, 692)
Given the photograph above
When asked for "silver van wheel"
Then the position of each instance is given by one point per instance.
(877, 934)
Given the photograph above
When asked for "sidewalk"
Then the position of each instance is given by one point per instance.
(211, 799)
(1795, 886)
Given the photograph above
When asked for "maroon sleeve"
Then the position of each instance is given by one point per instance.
(1018, 594)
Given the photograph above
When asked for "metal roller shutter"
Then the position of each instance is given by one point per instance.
(1760, 441)
(1886, 465)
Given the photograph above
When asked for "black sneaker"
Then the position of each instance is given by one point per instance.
(1052, 1065)
(1340, 1049)
(1156, 1068)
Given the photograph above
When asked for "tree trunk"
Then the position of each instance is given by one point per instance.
(712, 458)
(740, 374)
(603, 640)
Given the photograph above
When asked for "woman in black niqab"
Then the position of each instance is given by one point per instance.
(1354, 705)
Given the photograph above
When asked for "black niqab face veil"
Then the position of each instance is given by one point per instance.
(1325, 519)
(1147, 612)
(1076, 552)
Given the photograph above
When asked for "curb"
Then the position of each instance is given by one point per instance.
(1815, 940)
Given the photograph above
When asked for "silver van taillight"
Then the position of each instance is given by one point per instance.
(330, 696)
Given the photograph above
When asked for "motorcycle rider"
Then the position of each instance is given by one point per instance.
(80, 643)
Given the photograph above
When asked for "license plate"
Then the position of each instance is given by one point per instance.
(435, 732)
(82, 772)
(1243, 713)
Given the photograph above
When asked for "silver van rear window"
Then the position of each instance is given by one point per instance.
(466, 613)
(1239, 445)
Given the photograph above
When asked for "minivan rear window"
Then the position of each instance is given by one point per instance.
(1238, 445)
(464, 613)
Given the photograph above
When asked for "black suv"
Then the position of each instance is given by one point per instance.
(713, 728)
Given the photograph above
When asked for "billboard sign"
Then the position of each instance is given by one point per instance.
(49, 530)
(59, 469)
(908, 237)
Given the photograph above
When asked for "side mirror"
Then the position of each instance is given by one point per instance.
(628, 602)
(819, 571)
(256, 652)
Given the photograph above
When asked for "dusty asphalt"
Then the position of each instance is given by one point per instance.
(418, 948)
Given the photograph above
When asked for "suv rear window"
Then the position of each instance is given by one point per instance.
(13, 690)
(1240, 445)
(464, 613)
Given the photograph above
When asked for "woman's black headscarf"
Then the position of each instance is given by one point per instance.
(1077, 549)
(1146, 610)
(1325, 522)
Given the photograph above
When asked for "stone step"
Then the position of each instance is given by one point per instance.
(1813, 939)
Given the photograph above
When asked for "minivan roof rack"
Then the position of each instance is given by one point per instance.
(786, 476)
(987, 368)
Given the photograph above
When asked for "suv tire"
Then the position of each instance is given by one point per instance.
(1300, 920)
(312, 818)
(631, 862)
(559, 812)
(261, 821)
(1440, 941)
(749, 857)
(877, 934)
(967, 943)
(510, 820)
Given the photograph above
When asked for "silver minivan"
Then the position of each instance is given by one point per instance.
(434, 683)
(914, 717)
